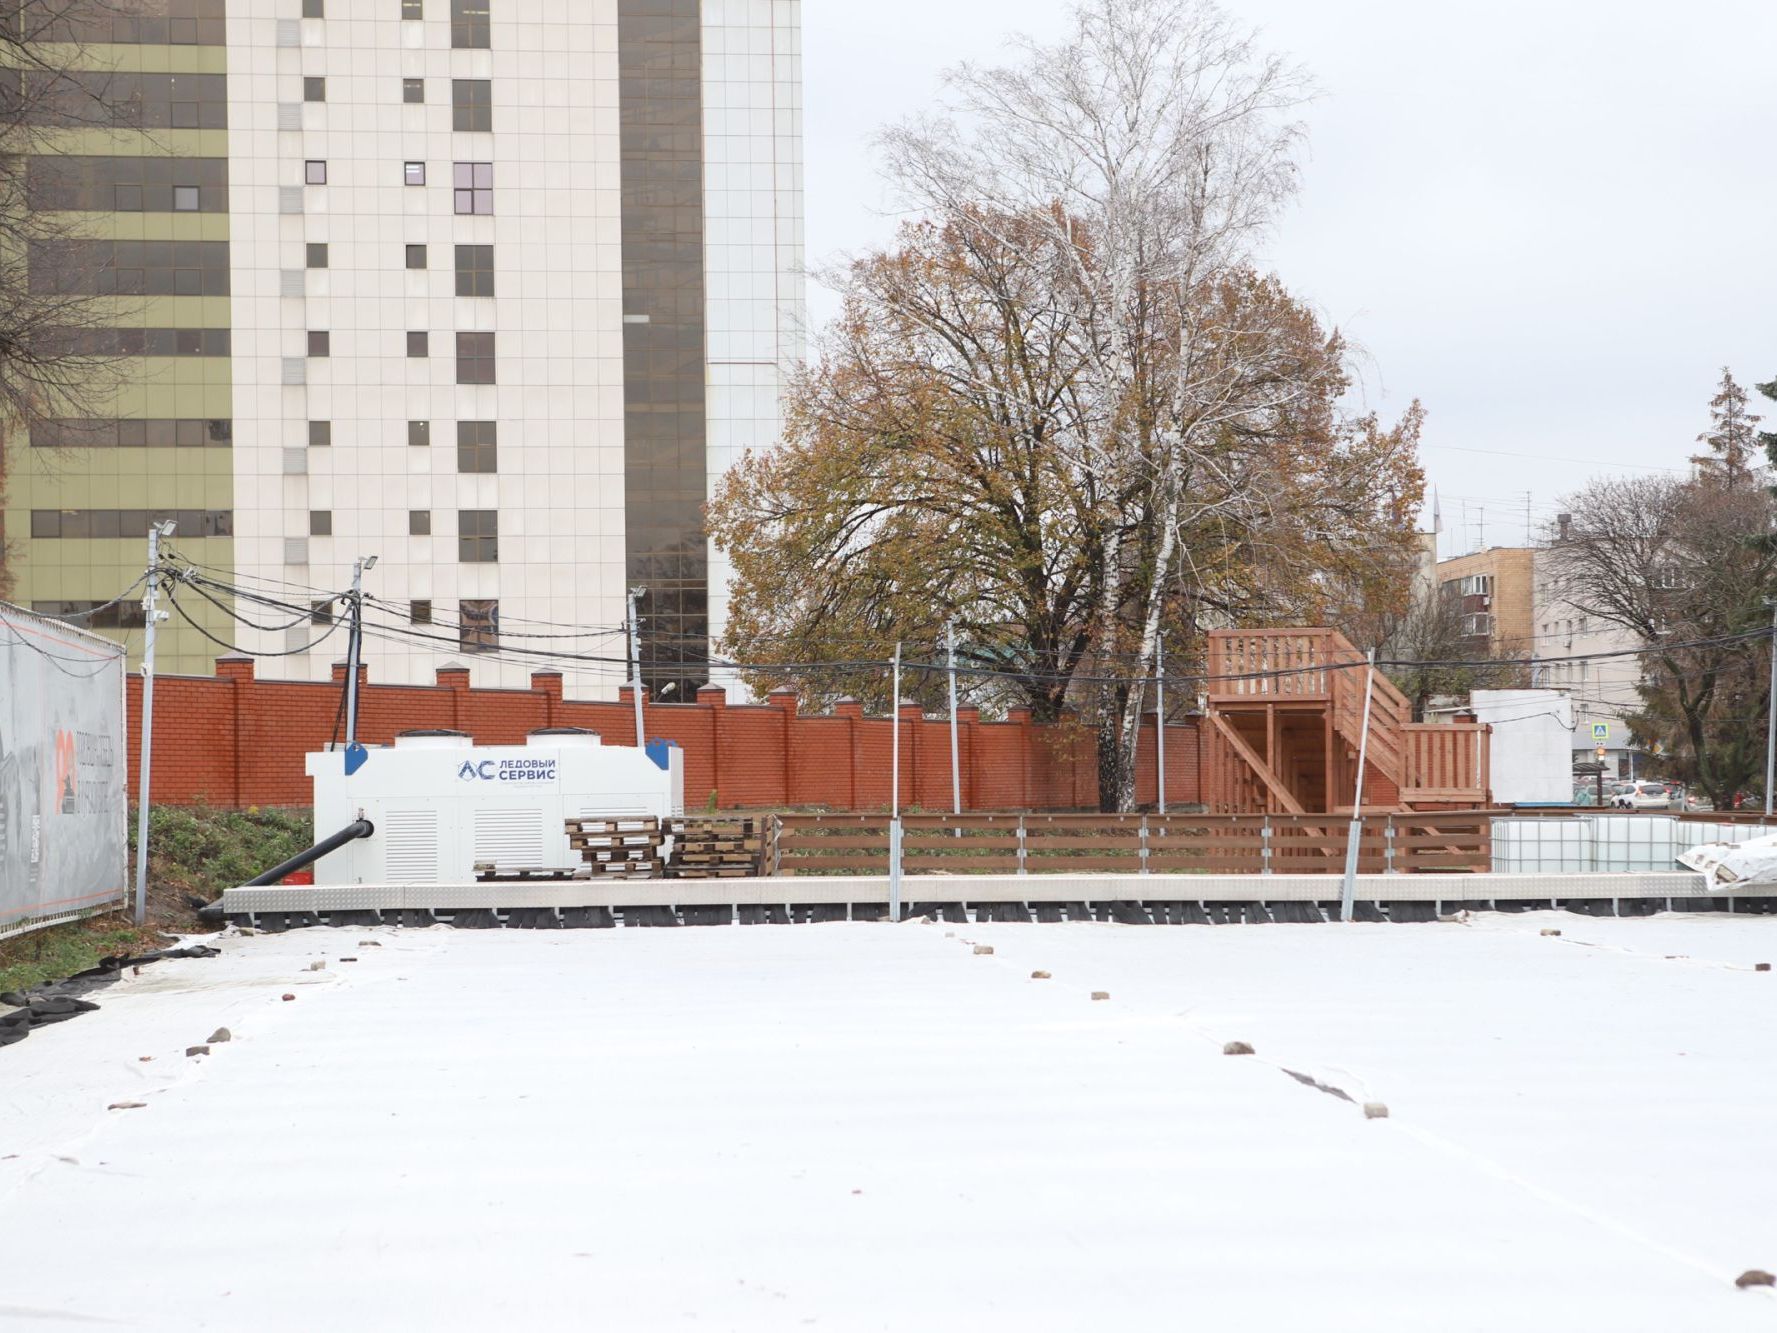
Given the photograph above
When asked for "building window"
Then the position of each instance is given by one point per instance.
(419, 522)
(419, 613)
(320, 343)
(478, 536)
(478, 626)
(1477, 626)
(96, 615)
(417, 344)
(477, 450)
(413, 90)
(475, 270)
(475, 358)
(320, 434)
(413, 173)
(469, 23)
(471, 104)
(314, 89)
(314, 172)
(185, 199)
(473, 183)
(419, 433)
(416, 256)
(320, 522)
(317, 254)
(413, 9)
(314, 9)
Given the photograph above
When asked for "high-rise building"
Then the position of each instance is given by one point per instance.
(493, 290)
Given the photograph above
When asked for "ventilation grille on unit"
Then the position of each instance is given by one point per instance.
(510, 839)
(411, 840)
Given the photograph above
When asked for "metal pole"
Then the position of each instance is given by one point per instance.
(1160, 723)
(895, 794)
(1771, 721)
(152, 618)
(1355, 834)
(635, 665)
(355, 639)
(956, 773)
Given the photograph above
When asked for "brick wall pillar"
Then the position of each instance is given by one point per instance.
(548, 684)
(784, 699)
(237, 670)
(967, 719)
(714, 699)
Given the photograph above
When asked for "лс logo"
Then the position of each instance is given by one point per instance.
(471, 772)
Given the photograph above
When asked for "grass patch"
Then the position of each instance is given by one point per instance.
(193, 854)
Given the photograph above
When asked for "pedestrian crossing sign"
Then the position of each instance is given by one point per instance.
(1601, 732)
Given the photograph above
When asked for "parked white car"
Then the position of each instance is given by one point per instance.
(1644, 796)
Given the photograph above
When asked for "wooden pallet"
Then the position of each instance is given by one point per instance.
(608, 825)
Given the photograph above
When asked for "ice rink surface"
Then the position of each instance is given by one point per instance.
(875, 1127)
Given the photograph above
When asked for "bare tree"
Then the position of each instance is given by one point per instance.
(1155, 145)
(1685, 567)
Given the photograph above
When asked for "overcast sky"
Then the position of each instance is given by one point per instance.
(1552, 222)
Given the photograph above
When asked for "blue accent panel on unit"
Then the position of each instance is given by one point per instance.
(659, 752)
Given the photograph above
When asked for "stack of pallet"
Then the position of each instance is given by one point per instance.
(615, 848)
(712, 847)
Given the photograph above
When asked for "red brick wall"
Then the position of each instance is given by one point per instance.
(235, 740)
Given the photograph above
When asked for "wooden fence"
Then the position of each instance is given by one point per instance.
(1037, 844)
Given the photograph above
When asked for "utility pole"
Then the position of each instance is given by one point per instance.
(1771, 721)
(1355, 835)
(152, 618)
(355, 647)
(956, 777)
(635, 663)
(1160, 723)
(895, 793)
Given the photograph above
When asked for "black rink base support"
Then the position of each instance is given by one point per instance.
(648, 916)
(533, 918)
(707, 916)
(587, 918)
(483, 918)
(1009, 912)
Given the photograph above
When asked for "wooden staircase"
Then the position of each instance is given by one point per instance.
(1286, 724)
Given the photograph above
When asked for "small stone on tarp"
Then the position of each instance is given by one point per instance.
(369, 944)
(1101, 995)
(197, 1050)
(1755, 1277)
(1039, 976)
(126, 1106)
(1375, 1111)
(1238, 1048)
(348, 960)
(983, 948)
(221, 1035)
(1761, 967)
(288, 996)
(319, 965)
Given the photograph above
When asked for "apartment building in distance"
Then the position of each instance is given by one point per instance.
(492, 290)
(1512, 606)
(1495, 592)
(1603, 687)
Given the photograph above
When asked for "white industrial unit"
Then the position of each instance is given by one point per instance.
(441, 805)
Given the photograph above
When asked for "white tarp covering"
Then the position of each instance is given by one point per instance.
(63, 809)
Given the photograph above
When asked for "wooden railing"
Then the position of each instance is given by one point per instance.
(1447, 762)
(1012, 844)
(1390, 712)
(1269, 664)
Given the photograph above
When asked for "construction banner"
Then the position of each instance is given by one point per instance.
(63, 810)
